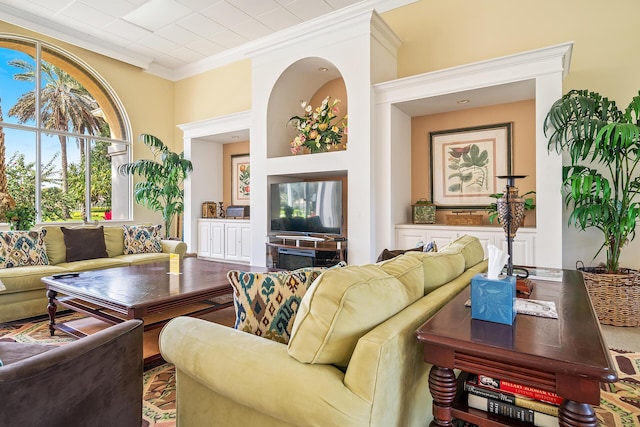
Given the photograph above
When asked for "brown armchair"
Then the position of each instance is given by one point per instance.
(94, 381)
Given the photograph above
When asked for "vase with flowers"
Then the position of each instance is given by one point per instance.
(319, 129)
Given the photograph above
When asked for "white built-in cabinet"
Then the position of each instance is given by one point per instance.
(410, 235)
(225, 240)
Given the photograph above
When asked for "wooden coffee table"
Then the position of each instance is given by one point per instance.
(568, 355)
(147, 292)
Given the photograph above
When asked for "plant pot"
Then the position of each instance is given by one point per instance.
(615, 297)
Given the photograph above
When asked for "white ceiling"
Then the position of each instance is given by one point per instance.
(168, 37)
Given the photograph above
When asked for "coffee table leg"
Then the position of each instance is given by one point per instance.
(443, 387)
(576, 414)
(51, 308)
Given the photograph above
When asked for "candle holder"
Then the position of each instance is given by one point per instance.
(511, 215)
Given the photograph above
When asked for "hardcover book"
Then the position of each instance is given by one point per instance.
(504, 409)
(532, 392)
(472, 386)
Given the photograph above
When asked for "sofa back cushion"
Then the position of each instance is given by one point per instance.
(341, 306)
(266, 303)
(84, 243)
(54, 241)
(20, 248)
(114, 240)
(409, 271)
(439, 267)
(469, 246)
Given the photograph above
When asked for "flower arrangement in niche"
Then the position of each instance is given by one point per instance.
(319, 129)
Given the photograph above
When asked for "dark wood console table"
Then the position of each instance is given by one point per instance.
(568, 355)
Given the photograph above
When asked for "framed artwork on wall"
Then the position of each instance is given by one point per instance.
(465, 164)
(240, 180)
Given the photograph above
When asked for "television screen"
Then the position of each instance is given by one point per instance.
(307, 207)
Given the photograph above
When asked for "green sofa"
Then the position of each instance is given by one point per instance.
(22, 293)
(346, 364)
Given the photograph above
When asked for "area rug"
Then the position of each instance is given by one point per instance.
(619, 403)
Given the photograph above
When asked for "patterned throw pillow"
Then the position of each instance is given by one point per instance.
(20, 248)
(140, 239)
(266, 303)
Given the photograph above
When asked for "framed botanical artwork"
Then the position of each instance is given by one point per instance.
(240, 180)
(465, 164)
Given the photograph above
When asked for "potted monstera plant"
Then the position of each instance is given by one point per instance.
(164, 175)
(601, 187)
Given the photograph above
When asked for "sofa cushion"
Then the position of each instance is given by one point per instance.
(93, 264)
(409, 271)
(141, 239)
(84, 243)
(266, 303)
(469, 246)
(343, 305)
(26, 278)
(439, 267)
(114, 240)
(22, 248)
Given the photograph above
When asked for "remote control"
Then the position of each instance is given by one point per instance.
(65, 275)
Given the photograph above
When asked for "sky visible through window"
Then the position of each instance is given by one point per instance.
(10, 91)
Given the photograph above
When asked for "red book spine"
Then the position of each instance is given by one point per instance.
(532, 392)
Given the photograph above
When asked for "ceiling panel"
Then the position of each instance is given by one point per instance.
(137, 30)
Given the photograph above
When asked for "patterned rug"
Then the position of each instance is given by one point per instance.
(619, 404)
(620, 401)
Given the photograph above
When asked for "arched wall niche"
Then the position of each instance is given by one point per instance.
(309, 79)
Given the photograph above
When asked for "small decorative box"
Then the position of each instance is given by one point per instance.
(238, 212)
(493, 300)
(209, 210)
(423, 212)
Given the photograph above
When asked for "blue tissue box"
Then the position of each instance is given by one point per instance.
(493, 300)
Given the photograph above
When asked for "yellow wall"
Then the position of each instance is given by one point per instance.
(520, 114)
(216, 93)
(443, 34)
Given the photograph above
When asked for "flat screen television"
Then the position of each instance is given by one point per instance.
(308, 207)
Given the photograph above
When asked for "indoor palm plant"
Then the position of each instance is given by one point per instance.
(601, 180)
(164, 174)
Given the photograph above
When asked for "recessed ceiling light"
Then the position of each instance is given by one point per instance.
(462, 101)
(323, 69)
(235, 137)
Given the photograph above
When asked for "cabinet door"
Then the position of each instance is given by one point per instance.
(245, 243)
(523, 249)
(217, 240)
(407, 238)
(204, 239)
(232, 243)
(442, 236)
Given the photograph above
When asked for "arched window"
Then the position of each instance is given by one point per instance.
(63, 133)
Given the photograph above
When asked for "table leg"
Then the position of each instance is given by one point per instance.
(443, 387)
(575, 414)
(51, 308)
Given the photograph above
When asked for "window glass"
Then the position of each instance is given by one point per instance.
(74, 125)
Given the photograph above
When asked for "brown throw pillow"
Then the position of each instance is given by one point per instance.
(84, 243)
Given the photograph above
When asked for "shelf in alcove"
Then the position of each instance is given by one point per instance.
(308, 163)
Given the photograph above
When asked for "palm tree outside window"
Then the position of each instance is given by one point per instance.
(60, 144)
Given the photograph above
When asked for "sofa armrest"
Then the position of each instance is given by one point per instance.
(252, 370)
(174, 247)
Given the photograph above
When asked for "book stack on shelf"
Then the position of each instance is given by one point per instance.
(527, 404)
